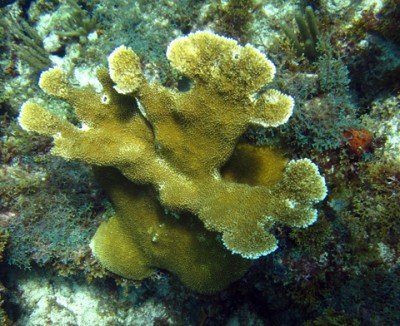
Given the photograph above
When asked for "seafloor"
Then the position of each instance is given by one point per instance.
(341, 270)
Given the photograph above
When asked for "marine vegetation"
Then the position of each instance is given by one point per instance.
(308, 28)
(159, 154)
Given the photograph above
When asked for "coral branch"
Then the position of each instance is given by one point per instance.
(174, 145)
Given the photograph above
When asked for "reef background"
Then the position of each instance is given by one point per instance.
(342, 270)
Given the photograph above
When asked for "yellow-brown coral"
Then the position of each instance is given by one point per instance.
(177, 143)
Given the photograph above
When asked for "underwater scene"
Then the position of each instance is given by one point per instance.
(181, 162)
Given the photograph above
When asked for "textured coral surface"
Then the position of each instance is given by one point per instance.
(178, 142)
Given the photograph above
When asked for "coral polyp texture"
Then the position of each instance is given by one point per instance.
(158, 150)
